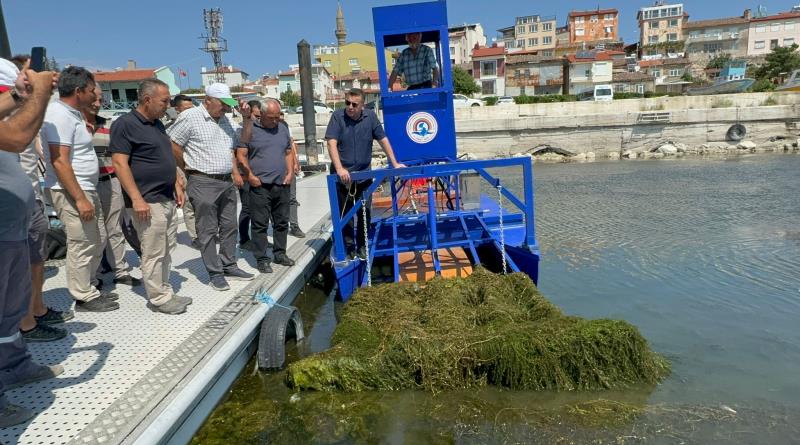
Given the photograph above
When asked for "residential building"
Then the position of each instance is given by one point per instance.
(772, 31)
(531, 74)
(593, 26)
(668, 73)
(462, 39)
(531, 33)
(320, 77)
(708, 38)
(661, 29)
(632, 82)
(234, 77)
(489, 70)
(589, 68)
(266, 86)
(121, 86)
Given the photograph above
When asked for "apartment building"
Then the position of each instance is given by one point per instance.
(463, 39)
(661, 29)
(593, 26)
(531, 33)
(772, 31)
(711, 37)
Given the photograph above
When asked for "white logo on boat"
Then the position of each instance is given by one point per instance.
(422, 127)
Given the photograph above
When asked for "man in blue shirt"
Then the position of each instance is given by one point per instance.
(417, 65)
(350, 134)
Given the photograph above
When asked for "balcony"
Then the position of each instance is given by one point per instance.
(693, 38)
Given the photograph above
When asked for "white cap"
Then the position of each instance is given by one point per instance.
(8, 73)
(221, 92)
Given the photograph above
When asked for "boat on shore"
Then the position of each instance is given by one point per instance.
(793, 84)
(732, 79)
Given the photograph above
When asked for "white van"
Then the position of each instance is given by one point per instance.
(600, 93)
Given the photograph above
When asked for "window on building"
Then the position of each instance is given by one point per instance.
(694, 34)
(353, 62)
(672, 37)
(788, 42)
(761, 28)
(759, 44)
(652, 52)
(773, 43)
(653, 39)
(673, 23)
(788, 26)
(674, 11)
(609, 29)
(487, 87)
(640, 89)
(452, 50)
(547, 53)
(580, 32)
(533, 42)
(521, 43)
(675, 72)
(609, 17)
(547, 26)
(775, 27)
(533, 28)
(547, 40)
(579, 20)
(327, 64)
(712, 47)
(520, 30)
(655, 24)
(489, 68)
(594, 19)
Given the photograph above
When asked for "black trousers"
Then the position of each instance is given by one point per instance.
(269, 202)
(419, 86)
(244, 215)
(346, 198)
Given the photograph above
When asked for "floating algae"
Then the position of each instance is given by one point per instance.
(485, 329)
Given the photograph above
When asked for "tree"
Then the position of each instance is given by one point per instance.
(782, 59)
(192, 91)
(52, 65)
(463, 83)
(290, 98)
(719, 61)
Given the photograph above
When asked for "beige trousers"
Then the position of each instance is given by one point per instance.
(85, 243)
(158, 237)
(188, 213)
(110, 193)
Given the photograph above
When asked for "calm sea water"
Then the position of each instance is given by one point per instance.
(703, 255)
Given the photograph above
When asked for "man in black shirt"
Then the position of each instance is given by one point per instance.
(266, 160)
(350, 134)
(142, 156)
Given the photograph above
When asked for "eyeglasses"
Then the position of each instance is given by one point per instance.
(351, 104)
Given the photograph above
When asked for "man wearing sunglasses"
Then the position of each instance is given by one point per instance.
(350, 134)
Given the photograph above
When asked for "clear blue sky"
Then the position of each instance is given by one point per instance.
(262, 35)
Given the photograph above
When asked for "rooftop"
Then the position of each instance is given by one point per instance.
(487, 52)
(715, 22)
(125, 75)
(625, 76)
(593, 12)
(780, 16)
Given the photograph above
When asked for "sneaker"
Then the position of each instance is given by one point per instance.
(219, 283)
(296, 232)
(14, 415)
(184, 300)
(171, 307)
(109, 296)
(238, 275)
(264, 267)
(128, 280)
(284, 260)
(43, 333)
(98, 283)
(53, 316)
(97, 305)
(32, 373)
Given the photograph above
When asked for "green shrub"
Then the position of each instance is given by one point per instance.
(491, 100)
(545, 99)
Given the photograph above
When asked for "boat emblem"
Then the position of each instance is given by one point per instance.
(422, 127)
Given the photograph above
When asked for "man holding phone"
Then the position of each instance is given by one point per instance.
(204, 141)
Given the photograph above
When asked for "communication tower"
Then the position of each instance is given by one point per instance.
(213, 43)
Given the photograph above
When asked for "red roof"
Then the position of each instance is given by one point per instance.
(124, 75)
(371, 75)
(487, 52)
(781, 16)
(595, 12)
(715, 22)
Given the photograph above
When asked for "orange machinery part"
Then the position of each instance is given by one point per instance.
(418, 266)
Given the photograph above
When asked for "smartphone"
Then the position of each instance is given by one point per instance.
(38, 59)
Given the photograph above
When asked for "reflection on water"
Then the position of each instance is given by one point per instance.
(702, 255)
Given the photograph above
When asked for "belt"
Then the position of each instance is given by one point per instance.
(107, 177)
(220, 177)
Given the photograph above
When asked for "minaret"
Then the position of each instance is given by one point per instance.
(341, 33)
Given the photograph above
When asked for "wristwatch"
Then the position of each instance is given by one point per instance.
(16, 96)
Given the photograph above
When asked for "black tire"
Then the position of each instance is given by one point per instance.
(475, 105)
(736, 133)
(280, 323)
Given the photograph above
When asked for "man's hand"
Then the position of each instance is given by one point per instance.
(296, 166)
(141, 210)
(180, 193)
(244, 109)
(344, 175)
(399, 165)
(288, 179)
(237, 180)
(46, 80)
(85, 209)
(254, 181)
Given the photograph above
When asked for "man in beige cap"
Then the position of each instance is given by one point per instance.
(204, 141)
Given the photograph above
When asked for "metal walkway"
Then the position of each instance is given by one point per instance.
(135, 376)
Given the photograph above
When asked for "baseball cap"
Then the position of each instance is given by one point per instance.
(221, 92)
(8, 75)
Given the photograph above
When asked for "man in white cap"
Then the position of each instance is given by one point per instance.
(204, 141)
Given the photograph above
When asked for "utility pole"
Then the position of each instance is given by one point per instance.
(213, 43)
(5, 47)
(307, 96)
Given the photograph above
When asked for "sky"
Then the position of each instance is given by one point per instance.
(263, 35)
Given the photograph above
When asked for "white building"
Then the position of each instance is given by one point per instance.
(320, 78)
(462, 40)
(234, 77)
(770, 32)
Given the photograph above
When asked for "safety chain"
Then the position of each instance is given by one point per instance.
(366, 241)
(502, 228)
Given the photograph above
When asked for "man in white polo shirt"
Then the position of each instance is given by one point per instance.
(72, 175)
(204, 141)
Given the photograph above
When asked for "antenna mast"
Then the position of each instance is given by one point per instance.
(213, 42)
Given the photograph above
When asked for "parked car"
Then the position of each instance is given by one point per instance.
(459, 100)
(505, 100)
(319, 108)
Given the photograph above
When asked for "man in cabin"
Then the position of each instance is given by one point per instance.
(350, 134)
(72, 174)
(266, 159)
(204, 141)
(417, 64)
(142, 156)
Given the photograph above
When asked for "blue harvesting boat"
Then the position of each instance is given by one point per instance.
(732, 79)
